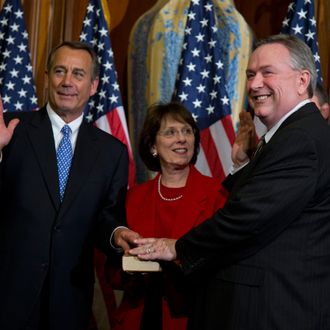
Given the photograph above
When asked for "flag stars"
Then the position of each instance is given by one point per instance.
(205, 74)
(15, 27)
(316, 57)
(210, 109)
(213, 94)
(212, 43)
(225, 100)
(297, 29)
(216, 79)
(187, 81)
(187, 30)
(22, 92)
(105, 79)
(302, 14)
(183, 96)
(90, 8)
(192, 16)
(10, 40)
(113, 98)
(197, 103)
(26, 80)
(208, 7)
(87, 22)
(195, 52)
(313, 21)
(6, 99)
(103, 32)
(34, 99)
(285, 22)
(99, 109)
(102, 94)
(10, 86)
(14, 73)
(100, 46)
(191, 67)
(309, 35)
(18, 106)
(8, 9)
(208, 58)
(22, 47)
(200, 37)
(201, 88)
(6, 53)
(204, 22)
(4, 22)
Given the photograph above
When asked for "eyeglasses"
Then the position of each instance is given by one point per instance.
(172, 132)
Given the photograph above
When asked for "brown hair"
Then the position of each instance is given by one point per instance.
(155, 114)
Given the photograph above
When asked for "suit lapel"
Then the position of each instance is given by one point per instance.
(41, 136)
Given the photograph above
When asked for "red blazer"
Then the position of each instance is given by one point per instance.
(205, 196)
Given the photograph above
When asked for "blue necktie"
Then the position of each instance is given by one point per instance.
(64, 157)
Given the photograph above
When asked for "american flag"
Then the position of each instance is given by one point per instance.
(17, 87)
(201, 88)
(300, 21)
(105, 108)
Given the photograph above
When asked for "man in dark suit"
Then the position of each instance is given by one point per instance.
(46, 239)
(265, 256)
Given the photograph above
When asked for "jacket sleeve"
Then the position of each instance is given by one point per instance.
(259, 207)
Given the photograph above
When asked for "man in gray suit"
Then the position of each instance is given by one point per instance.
(265, 255)
(48, 234)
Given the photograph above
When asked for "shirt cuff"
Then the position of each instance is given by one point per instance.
(235, 168)
(118, 249)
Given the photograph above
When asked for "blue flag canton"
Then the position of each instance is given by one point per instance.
(17, 87)
(95, 32)
(300, 21)
(200, 83)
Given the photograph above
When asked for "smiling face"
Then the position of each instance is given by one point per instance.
(70, 82)
(273, 87)
(174, 144)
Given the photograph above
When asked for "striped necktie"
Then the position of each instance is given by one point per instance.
(64, 158)
(260, 145)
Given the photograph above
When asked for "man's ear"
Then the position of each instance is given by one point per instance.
(325, 110)
(303, 83)
(94, 86)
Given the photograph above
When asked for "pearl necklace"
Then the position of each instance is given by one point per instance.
(164, 198)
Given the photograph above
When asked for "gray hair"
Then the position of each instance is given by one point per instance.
(78, 46)
(300, 53)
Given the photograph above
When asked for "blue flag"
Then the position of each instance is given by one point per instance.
(17, 87)
(105, 108)
(300, 21)
(201, 80)
(201, 87)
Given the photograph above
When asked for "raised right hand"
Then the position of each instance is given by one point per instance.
(245, 141)
(6, 132)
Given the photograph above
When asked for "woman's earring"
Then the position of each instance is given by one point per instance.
(154, 154)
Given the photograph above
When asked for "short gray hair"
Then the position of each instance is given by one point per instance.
(78, 46)
(300, 53)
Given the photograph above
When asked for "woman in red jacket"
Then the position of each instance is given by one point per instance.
(178, 198)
